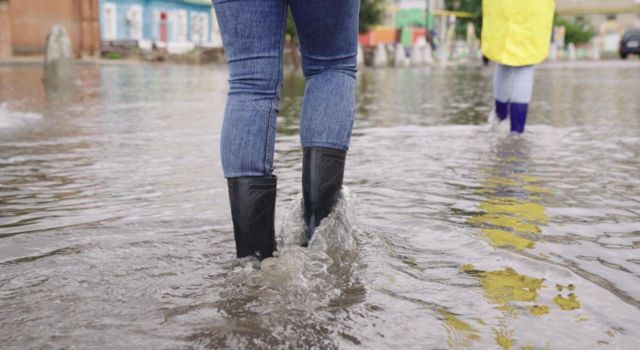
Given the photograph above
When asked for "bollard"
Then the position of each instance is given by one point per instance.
(401, 58)
(58, 62)
(360, 57)
(553, 52)
(571, 48)
(380, 56)
(427, 54)
(442, 55)
(416, 58)
(595, 51)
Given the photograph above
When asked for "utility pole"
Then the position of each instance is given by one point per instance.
(427, 11)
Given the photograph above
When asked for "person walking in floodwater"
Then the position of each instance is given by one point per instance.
(515, 35)
(253, 37)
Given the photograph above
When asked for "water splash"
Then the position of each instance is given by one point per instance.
(279, 291)
(335, 234)
(13, 119)
(298, 269)
(152, 222)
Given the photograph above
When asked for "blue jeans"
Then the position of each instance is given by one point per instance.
(253, 37)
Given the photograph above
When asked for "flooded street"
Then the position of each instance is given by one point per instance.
(115, 229)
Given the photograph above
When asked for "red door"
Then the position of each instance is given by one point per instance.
(163, 27)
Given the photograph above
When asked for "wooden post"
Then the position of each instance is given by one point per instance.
(92, 27)
(6, 49)
(88, 27)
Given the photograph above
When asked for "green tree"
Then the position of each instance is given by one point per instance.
(291, 43)
(472, 6)
(371, 12)
(578, 31)
(290, 28)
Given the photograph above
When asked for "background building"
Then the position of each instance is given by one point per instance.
(623, 13)
(609, 18)
(26, 24)
(177, 25)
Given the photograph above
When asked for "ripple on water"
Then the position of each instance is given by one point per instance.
(11, 119)
(115, 229)
(282, 299)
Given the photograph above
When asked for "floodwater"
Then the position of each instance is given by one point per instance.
(115, 230)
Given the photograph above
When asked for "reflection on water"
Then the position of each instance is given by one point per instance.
(513, 293)
(459, 333)
(115, 227)
(510, 217)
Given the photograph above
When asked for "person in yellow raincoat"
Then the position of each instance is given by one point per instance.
(516, 35)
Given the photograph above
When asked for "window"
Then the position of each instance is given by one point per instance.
(134, 20)
(199, 27)
(109, 23)
(179, 25)
(216, 37)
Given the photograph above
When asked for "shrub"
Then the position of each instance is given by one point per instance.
(578, 31)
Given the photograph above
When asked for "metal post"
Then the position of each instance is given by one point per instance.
(426, 21)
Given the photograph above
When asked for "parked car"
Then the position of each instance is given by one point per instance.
(630, 43)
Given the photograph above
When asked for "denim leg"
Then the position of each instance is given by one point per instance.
(328, 34)
(253, 37)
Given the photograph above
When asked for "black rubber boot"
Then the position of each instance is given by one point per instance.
(253, 208)
(322, 172)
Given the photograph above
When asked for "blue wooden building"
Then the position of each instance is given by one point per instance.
(178, 25)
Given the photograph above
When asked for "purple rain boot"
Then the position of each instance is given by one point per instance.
(518, 112)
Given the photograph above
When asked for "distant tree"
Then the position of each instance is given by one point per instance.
(290, 28)
(371, 12)
(292, 40)
(472, 6)
(578, 31)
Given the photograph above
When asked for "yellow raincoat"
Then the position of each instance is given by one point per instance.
(517, 32)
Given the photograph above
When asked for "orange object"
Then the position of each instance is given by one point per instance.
(364, 39)
(418, 33)
(379, 35)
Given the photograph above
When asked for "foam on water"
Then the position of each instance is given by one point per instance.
(116, 232)
(294, 270)
(295, 282)
(13, 119)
